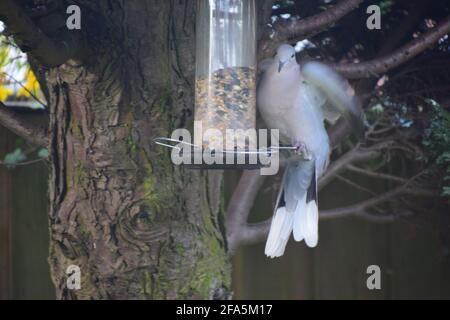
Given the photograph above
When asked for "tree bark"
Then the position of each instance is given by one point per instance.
(138, 227)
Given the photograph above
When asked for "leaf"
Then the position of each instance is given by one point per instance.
(378, 108)
(4, 92)
(4, 54)
(13, 158)
(446, 191)
(386, 6)
(31, 86)
(43, 153)
(432, 102)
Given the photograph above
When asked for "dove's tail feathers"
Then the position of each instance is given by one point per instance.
(338, 92)
(296, 209)
(279, 233)
(306, 219)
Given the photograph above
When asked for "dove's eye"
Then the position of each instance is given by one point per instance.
(293, 55)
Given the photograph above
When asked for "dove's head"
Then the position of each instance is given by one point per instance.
(285, 56)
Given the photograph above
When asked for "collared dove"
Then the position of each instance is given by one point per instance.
(296, 100)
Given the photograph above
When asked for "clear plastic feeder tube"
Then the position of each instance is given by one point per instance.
(225, 90)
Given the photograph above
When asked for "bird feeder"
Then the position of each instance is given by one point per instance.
(225, 87)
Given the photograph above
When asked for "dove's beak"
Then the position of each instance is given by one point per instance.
(281, 65)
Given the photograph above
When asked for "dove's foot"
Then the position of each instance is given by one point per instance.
(302, 151)
(300, 148)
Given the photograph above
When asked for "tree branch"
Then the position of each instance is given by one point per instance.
(407, 52)
(33, 41)
(240, 205)
(253, 233)
(360, 209)
(354, 185)
(317, 23)
(357, 154)
(310, 26)
(30, 126)
(377, 175)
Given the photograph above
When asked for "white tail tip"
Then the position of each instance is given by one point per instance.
(306, 223)
(312, 224)
(279, 233)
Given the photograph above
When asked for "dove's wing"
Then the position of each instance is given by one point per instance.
(341, 99)
(330, 114)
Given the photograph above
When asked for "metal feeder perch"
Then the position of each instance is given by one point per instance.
(225, 86)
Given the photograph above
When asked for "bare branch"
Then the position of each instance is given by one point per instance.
(315, 24)
(33, 41)
(407, 52)
(240, 205)
(30, 126)
(362, 206)
(373, 174)
(354, 184)
(26, 163)
(357, 154)
(360, 209)
(254, 232)
(310, 26)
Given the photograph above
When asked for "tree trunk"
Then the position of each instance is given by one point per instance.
(137, 226)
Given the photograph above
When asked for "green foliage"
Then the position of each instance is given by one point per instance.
(283, 4)
(446, 192)
(43, 153)
(437, 142)
(13, 158)
(377, 109)
(385, 6)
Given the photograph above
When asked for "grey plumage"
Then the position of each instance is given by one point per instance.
(296, 100)
(337, 90)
